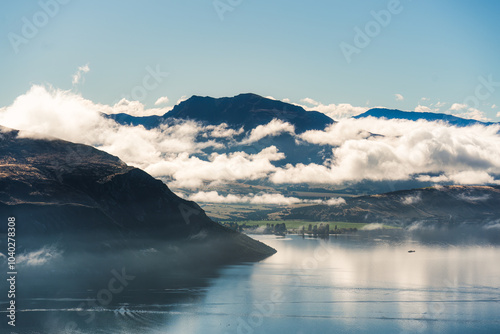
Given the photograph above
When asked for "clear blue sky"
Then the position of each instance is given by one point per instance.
(287, 49)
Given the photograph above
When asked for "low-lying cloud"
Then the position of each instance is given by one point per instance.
(271, 199)
(373, 227)
(191, 172)
(377, 149)
(274, 128)
(411, 199)
(336, 201)
(39, 257)
(363, 149)
(334, 111)
(261, 198)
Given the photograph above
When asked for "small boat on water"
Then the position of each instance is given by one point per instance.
(411, 251)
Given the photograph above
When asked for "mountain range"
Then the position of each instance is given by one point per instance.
(250, 110)
(449, 205)
(244, 110)
(415, 116)
(249, 113)
(87, 218)
(81, 212)
(60, 188)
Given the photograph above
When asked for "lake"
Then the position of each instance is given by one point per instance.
(362, 282)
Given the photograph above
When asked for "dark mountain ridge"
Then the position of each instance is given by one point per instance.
(59, 189)
(415, 116)
(443, 205)
(244, 110)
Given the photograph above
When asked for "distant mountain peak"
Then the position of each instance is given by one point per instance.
(246, 110)
(415, 116)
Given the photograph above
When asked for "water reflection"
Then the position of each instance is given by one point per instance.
(364, 282)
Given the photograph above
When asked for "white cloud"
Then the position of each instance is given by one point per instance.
(495, 225)
(274, 128)
(336, 201)
(467, 155)
(399, 97)
(464, 178)
(335, 134)
(458, 106)
(68, 116)
(334, 111)
(162, 100)
(363, 149)
(182, 99)
(39, 257)
(214, 197)
(58, 113)
(339, 111)
(77, 77)
(221, 131)
(470, 198)
(436, 179)
(165, 152)
(133, 108)
(411, 199)
(191, 172)
(463, 111)
(271, 199)
(310, 101)
(474, 114)
(421, 108)
(473, 177)
(373, 226)
(261, 198)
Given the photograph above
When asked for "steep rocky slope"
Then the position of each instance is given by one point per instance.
(62, 191)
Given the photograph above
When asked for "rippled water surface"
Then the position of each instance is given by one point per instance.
(365, 282)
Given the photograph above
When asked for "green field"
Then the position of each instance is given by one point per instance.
(297, 224)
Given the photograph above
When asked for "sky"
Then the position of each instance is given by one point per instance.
(412, 55)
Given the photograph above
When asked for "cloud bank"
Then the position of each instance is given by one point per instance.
(363, 149)
(262, 198)
(377, 149)
(334, 111)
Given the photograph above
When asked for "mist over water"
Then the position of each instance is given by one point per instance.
(361, 282)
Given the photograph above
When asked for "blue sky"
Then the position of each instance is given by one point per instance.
(286, 49)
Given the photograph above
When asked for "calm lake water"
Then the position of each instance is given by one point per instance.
(365, 282)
